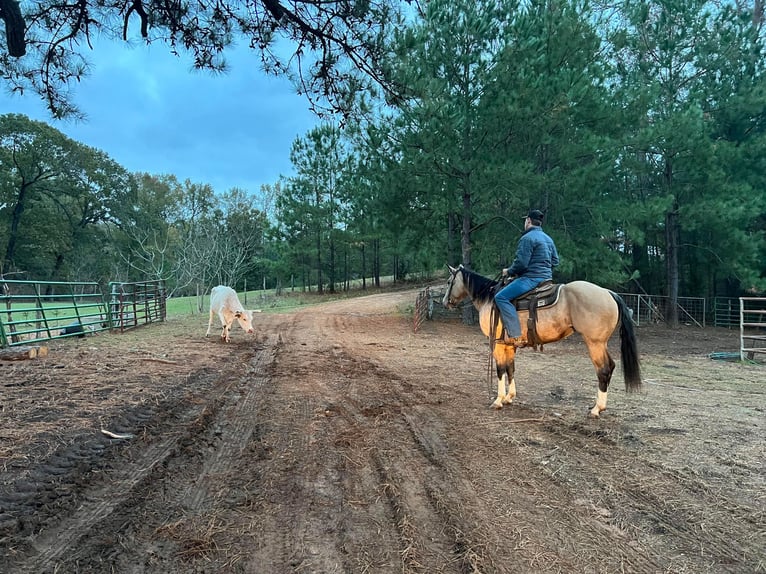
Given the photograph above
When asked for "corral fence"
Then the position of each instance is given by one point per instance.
(747, 313)
(652, 309)
(36, 311)
(646, 309)
(752, 327)
(134, 304)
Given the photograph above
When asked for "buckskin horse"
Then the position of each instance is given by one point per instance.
(581, 307)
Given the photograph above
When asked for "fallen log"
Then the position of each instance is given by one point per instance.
(23, 353)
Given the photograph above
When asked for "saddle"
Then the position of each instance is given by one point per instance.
(546, 294)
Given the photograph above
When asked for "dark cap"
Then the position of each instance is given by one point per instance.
(535, 214)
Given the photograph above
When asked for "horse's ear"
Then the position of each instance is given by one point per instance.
(451, 268)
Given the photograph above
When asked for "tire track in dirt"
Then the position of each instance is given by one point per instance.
(182, 517)
(305, 503)
(235, 425)
(103, 503)
(410, 459)
(400, 457)
(433, 488)
(420, 489)
(330, 466)
(98, 505)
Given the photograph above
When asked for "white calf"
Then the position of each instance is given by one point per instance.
(224, 302)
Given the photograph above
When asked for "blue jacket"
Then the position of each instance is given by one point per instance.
(536, 256)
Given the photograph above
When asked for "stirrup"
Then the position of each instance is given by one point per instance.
(517, 342)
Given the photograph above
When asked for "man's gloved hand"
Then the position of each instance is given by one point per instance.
(505, 272)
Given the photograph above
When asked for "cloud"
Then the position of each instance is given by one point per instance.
(150, 112)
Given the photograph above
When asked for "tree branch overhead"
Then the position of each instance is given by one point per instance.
(334, 42)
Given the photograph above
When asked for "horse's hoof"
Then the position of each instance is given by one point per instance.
(594, 414)
(497, 406)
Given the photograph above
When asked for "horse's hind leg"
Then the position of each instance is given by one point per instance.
(604, 369)
(506, 384)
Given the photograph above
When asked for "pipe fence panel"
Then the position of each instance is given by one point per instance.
(424, 308)
(726, 312)
(36, 311)
(134, 304)
(752, 327)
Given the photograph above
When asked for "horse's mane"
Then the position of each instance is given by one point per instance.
(482, 289)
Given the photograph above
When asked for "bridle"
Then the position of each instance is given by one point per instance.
(450, 284)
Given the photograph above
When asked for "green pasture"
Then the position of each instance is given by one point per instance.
(270, 302)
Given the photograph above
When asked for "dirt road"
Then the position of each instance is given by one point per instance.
(338, 441)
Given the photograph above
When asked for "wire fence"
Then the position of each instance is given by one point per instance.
(653, 309)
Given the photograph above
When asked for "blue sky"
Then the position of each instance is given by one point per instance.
(150, 112)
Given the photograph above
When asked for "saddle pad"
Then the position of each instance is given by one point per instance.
(544, 295)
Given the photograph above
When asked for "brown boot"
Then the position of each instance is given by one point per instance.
(515, 341)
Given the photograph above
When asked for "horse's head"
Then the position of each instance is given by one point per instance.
(456, 289)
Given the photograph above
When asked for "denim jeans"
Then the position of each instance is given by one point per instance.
(506, 295)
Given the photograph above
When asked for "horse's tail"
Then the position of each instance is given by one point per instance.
(631, 369)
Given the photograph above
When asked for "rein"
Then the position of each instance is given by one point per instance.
(494, 317)
(482, 289)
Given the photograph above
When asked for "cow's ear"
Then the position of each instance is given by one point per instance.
(238, 314)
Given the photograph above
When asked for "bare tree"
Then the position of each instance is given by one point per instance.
(151, 254)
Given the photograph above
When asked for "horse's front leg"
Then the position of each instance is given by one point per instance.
(506, 384)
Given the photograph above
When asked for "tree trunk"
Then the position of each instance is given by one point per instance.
(18, 209)
(332, 271)
(346, 271)
(10, 12)
(671, 262)
(320, 279)
(451, 220)
(465, 233)
(465, 243)
(671, 249)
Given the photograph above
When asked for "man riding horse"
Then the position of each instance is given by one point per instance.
(536, 256)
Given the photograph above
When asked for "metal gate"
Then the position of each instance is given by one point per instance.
(134, 304)
(752, 327)
(35, 311)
